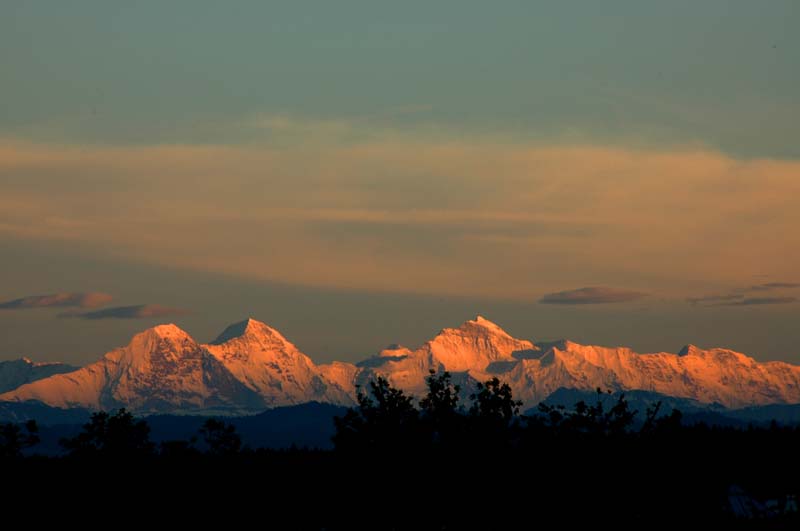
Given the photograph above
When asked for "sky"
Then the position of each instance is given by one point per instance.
(364, 173)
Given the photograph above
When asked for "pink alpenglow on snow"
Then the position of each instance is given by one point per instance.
(252, 366)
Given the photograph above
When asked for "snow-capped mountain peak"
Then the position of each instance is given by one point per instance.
(253, 340)
(689, 350)
(483, 322)
(168, 330)
(251, 366)
(159, 366)
(474, 345)
(269, 364)
(169, 333)
(249, 328)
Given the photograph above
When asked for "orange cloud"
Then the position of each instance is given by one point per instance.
(471, 217)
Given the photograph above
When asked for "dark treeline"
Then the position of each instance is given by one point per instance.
(440, 463)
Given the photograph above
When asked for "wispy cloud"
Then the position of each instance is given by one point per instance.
(58, 300)
(140, 311)
(446, 214)
(592, 295)
(714, 299)
(758, 301)
(739, 297)
(775, 285)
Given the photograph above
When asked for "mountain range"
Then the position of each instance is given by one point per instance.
(251, 367)
(15, 373)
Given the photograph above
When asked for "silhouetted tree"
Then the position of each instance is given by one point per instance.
(383, 419)
(665, 424)
(588, 419)
(117, 435)
(13, 441)
(549, 419)
(442, 397)
(221, 438)
(493, 416)
(494, 402)
(441, 416)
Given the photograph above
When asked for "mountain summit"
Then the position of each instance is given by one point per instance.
(474, 345)
(268, 364)
(247, 328)
(251, 366)
(161, 369)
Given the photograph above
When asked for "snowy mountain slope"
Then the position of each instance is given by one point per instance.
(251, 366)
(269, 365)
(19, 372)
(709, 376)
(467, 351)
(161, 369)
(479, 350)
(344, 375)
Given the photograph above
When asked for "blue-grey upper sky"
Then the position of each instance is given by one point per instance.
(633, 165)
(724, 73)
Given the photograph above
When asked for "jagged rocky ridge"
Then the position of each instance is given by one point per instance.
(251, 366)
(18, 372)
